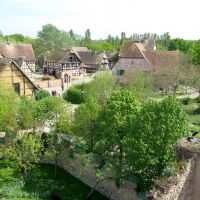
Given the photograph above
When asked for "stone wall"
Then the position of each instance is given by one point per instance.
(48, 83)
(87, 174)
(181, 186)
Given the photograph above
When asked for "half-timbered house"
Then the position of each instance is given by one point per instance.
(12, 74)
(62, 64)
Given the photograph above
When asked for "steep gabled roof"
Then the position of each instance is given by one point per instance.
(20, 61)
(4, 62)
(17, 50)
(154, 58)
(61, 55)
(131, 50)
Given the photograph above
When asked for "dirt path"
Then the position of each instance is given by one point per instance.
(196, 182)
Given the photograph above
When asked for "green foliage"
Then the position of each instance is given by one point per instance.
(178, 44)
(195, 52)
(40, 94)
(197, 99)
(9, 107)
(26, 118)
(117, 122)
(168, 171)
(197, 111)
(25, 150)
(158, 127)
(40, 182)
(86, 122)
(74, 94)
(100, 45)
(186, 101)
(101, 88)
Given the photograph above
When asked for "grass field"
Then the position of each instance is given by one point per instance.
(39, 183)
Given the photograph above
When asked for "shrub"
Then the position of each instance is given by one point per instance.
(197, 111)
(41, 94)
(186, 101)
(168, 171)
(74, 95)
(197, 99)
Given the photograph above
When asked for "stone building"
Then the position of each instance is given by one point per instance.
(134, 54)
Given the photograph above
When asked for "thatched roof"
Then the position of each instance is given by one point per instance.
(61, 56)
(17, 50)
(91, 57)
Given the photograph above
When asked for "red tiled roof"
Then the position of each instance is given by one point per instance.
(154, 58)
(162, 58)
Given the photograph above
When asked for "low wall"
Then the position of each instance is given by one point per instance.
(185, 184)
(87, 174)
(48, 83)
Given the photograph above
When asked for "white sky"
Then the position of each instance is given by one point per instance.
(181, 18)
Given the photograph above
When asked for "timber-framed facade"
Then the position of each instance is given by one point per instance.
(12, 75)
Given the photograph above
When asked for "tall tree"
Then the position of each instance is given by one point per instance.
(88, 36)
(117, 121)
(157, 128)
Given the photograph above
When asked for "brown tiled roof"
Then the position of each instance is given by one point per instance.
(131, 50)
(162, 58)
(17, 50)
(154, 58)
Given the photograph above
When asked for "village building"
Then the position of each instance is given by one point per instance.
(91, 61)
(65, 63)
(137, 54)
(19, 51)
(12, 74)
(62, 64)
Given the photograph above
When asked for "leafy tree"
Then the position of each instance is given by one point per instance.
(101, 87)
(9, 107)
(42, 94)
(157, 128)
(141, 85)
(26, 150)
(195, 52)
(26, 118)
(117, 121)
(85, 123)
(87, 36)
(178, 44)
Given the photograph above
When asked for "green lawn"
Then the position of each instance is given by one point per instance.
(193, 118)
(39, 183)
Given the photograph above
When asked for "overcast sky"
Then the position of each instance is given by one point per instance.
(181, 18)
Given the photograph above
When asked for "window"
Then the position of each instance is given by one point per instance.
(17, 87)
(120, 72)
